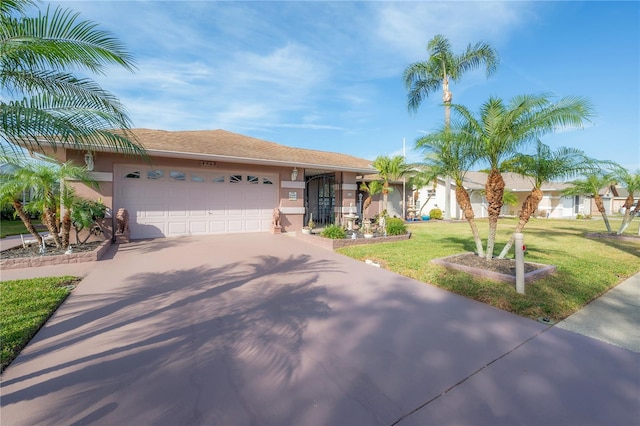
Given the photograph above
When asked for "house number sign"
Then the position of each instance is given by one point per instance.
(293, 195)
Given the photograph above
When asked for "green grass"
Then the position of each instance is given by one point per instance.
(587, 267)
(25, 305)
(15, 227)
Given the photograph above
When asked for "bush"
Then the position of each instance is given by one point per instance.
(334, 232)
(435, 214)
(396, 226)
(7, 213)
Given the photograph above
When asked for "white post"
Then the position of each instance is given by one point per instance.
(404, 183)
(519, 248)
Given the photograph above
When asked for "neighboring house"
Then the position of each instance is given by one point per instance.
(613, 198)
(553, 204)
(214, 181)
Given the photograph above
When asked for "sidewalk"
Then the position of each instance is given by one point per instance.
(613, 318)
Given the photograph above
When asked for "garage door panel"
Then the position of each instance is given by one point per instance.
(198, 227)
(178, 228)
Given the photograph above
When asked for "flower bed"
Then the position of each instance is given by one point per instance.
(331, 244)
(35, 261)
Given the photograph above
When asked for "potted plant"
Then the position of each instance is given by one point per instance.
(310, 225)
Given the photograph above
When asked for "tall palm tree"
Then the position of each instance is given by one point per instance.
(423, 78)
(372, 188)
(542, 167)
(631, 181)
(501, 130)
(448, 152)
(389, 168)
(43, 103)
(591, 185)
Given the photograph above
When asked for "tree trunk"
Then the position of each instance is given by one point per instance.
(494, 190)
(66, 227)
(385, 197)
(603, 212)
(462, 197)
(17, 206)
(365, 207)
(529, 207)
(626, 220)
(49, 219)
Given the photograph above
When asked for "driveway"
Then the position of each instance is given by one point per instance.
(268, 330)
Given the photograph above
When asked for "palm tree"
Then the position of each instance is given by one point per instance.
(44, 104)
(423, 78)
(449, 153)
(372, 188)
(591, 186)
(389, 168)
(502, 129)
(50, 183)
(544, 166)
(631, 181)
(11, 189)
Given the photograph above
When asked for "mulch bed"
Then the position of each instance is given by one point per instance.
(33, 250)
(501, 266)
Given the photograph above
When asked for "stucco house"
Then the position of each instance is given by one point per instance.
(553, 203)
(215, 181)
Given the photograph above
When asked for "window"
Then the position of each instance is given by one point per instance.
(155, 174)
(177, 175)
(253, 179)
(431, 192)
(132, 175)
(218, 179)
(196, 178)
(266, 181)
(235, 178)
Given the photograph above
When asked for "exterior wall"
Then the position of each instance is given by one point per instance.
(292, 211)
(439, 200)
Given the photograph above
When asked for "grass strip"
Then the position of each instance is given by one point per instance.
(25, 305)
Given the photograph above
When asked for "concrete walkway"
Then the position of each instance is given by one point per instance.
(263, 329)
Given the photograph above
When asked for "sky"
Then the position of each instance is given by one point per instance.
(328, 75)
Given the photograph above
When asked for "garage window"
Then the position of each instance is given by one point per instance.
(218, 179)
(235, 178)
(196, 178)
(266, 181)
(177, 175)
(155, 174)
(253, 179)
(132, 175)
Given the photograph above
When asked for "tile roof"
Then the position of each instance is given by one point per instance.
(227, 146)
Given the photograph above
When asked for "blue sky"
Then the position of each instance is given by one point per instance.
(328, 75)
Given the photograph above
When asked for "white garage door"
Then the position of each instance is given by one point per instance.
(166, 202)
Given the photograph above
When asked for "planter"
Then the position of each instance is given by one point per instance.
(368, 235)
(425, 218)
(306, 231)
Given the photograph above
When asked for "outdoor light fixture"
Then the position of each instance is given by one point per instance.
(294, 174)
(88, 160)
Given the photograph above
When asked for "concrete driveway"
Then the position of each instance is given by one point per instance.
(268, 330)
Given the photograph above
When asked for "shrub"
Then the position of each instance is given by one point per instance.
(395, 226)
(7, 213)
(334, 232)
(435, 213)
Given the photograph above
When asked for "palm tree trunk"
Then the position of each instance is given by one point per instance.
(529, 207)
(385, 197)
(603, 212)
(626, 220)
(49, 219)
(462, 197)
(494, 190)
(66, 228)
(17, 206)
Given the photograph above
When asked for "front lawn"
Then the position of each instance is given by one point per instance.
(15, 227)
(587, 267)
(25, 305)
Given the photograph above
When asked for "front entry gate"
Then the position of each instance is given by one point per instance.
(320, 199)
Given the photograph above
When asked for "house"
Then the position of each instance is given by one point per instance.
(215, 181)
(553, 203)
